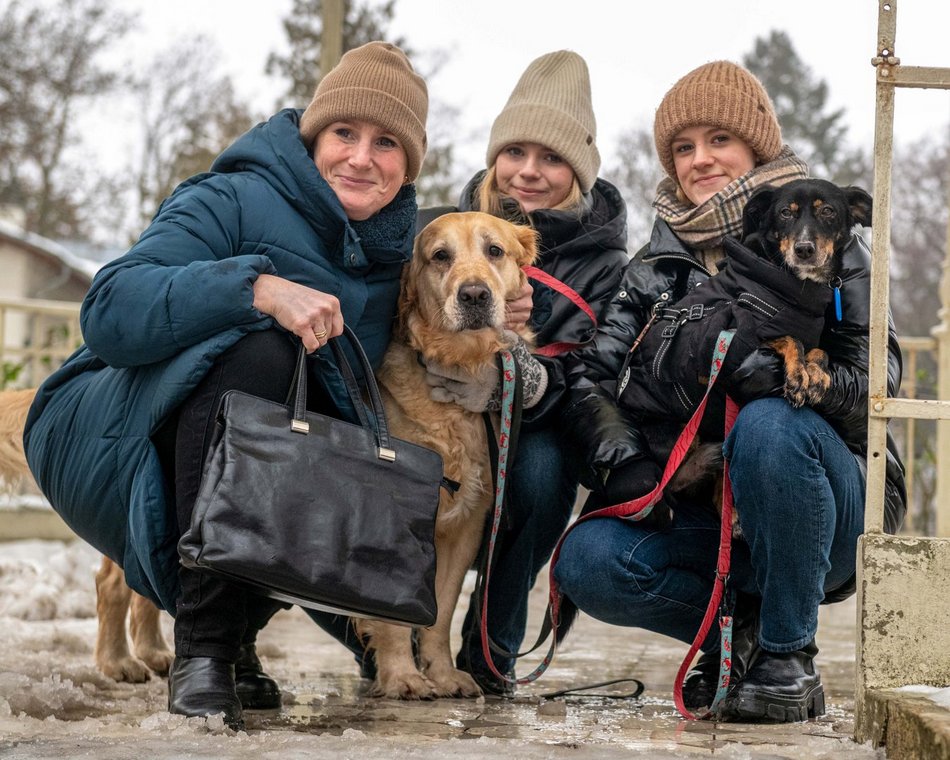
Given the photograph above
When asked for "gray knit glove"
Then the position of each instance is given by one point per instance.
(481, 391)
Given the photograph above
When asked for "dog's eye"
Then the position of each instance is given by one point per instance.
(495, 251)
(786, 213)
(827, 212)
(440, 255)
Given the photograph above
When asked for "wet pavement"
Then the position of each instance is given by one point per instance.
(73, 711)
(330, 700)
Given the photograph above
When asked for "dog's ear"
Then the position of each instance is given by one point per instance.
(528, 242)
(408, 295)
(756, 210)
(860, 203)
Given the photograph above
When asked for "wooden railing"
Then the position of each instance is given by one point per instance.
(36, 336)
(920, 355)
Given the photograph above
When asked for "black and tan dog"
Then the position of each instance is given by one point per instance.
(801, 228)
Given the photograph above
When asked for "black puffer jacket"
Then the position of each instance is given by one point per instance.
(587, 253)
(660, 275)
(667, 376)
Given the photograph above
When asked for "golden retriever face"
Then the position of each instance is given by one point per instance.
(464, 266)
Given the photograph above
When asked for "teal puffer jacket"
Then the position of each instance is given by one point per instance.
(155, 319)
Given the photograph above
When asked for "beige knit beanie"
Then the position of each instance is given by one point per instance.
(374, 82)
(720, 94)
(551, 105)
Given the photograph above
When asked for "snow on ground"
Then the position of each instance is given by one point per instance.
(934, 693)
(55, 704)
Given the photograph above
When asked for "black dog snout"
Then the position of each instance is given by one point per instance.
(804, 249)
(474, 294)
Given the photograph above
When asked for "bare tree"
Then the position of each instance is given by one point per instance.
(919, 196)
(49, 68)
(636, 177)
(189, 114)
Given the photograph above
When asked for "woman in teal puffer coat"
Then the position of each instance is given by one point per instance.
(301, 225)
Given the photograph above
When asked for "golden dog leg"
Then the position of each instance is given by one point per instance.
(112, 647)
(456, 550)
(397, 676)
(147, 639)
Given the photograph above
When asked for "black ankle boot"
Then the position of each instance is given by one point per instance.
(779, 688)
(203, 686)
(255, 689)
(702, 680)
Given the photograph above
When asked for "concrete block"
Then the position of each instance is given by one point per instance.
(903, 611)
(911, 727)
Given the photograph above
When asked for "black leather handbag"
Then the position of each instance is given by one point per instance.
(318, 511)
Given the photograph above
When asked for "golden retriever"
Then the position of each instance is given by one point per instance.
(451, 309)
(113, 597)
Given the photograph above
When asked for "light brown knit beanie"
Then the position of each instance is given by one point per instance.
(374, 82)
(551, 105)
(720, 94)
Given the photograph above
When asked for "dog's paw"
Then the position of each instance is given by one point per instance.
(819, 379)
(407, 685)
(797, 383)
(454, 683)
(129, 669)
(158, 660)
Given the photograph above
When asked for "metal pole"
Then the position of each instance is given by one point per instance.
(331, 37)
(880, 268)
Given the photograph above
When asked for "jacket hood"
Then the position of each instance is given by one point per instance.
(602, 227)
(275, 151)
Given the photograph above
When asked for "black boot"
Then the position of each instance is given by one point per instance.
(702, 680)
(203, 686)
(255, 689)
(779, 688)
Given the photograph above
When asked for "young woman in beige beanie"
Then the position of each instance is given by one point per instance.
(302, 224)
(797, 474)
(542, 164)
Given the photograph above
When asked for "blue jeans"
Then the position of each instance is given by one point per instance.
(799, 493)
(541, 497)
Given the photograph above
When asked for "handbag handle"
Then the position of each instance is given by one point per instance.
(379, 425)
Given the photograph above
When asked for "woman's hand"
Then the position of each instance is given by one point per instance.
(311, 314)
(518, 309)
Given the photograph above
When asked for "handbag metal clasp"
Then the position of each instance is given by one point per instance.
(300, 426)
(387, 454)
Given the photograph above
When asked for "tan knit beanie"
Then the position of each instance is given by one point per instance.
(720, 94)
(374, 82)
(551, 105)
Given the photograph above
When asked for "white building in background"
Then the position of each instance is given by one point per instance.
(36, 334)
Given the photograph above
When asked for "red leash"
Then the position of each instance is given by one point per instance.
(723, 564)
(636, 509)
(553, 349)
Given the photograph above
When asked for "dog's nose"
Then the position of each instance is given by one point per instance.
(474, 294)
(804, 249)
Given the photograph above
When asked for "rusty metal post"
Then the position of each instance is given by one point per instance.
(331, 35)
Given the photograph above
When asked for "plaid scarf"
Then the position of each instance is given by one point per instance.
(705, 226)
